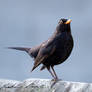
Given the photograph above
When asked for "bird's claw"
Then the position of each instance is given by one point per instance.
(55, 81)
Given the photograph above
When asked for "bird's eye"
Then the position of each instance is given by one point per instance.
(60, 22)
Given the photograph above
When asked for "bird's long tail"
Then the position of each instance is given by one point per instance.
(20, 48)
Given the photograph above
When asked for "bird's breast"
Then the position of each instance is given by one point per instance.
(63, 49)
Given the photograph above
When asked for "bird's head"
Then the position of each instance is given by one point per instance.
(64, 21)
(64, 25)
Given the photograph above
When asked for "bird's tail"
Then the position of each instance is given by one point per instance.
(20, 48)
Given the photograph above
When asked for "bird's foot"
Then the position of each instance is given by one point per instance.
(55, 81)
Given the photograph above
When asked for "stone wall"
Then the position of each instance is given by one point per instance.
(43, 85)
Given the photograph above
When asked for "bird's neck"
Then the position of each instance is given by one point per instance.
(68, 28)
(60, 30)
(64, 28)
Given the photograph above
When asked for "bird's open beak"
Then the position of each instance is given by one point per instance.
(68, 21)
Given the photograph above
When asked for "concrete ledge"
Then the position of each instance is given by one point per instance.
(43, 85)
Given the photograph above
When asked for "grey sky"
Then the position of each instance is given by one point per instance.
(29, 22)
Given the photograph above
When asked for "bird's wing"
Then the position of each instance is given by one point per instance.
(34, 51)
(45, 51)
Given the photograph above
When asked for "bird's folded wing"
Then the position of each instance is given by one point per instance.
(44, 52)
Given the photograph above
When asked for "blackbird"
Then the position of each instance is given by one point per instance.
(53, 51)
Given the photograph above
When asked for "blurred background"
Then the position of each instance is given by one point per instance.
(27, 23)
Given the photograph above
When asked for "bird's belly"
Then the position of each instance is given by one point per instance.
(65, 53)
(60, 55)
(58, 59)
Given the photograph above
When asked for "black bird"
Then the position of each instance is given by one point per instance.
(55, 50)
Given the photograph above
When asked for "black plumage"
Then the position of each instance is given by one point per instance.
(55, 50)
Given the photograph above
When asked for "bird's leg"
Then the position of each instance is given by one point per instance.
(54, 73)
(48, 68)
(55, 77)
(55, 80)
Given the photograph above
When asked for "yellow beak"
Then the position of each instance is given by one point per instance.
(68, 21)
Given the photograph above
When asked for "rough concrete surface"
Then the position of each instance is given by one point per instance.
(43, 85)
